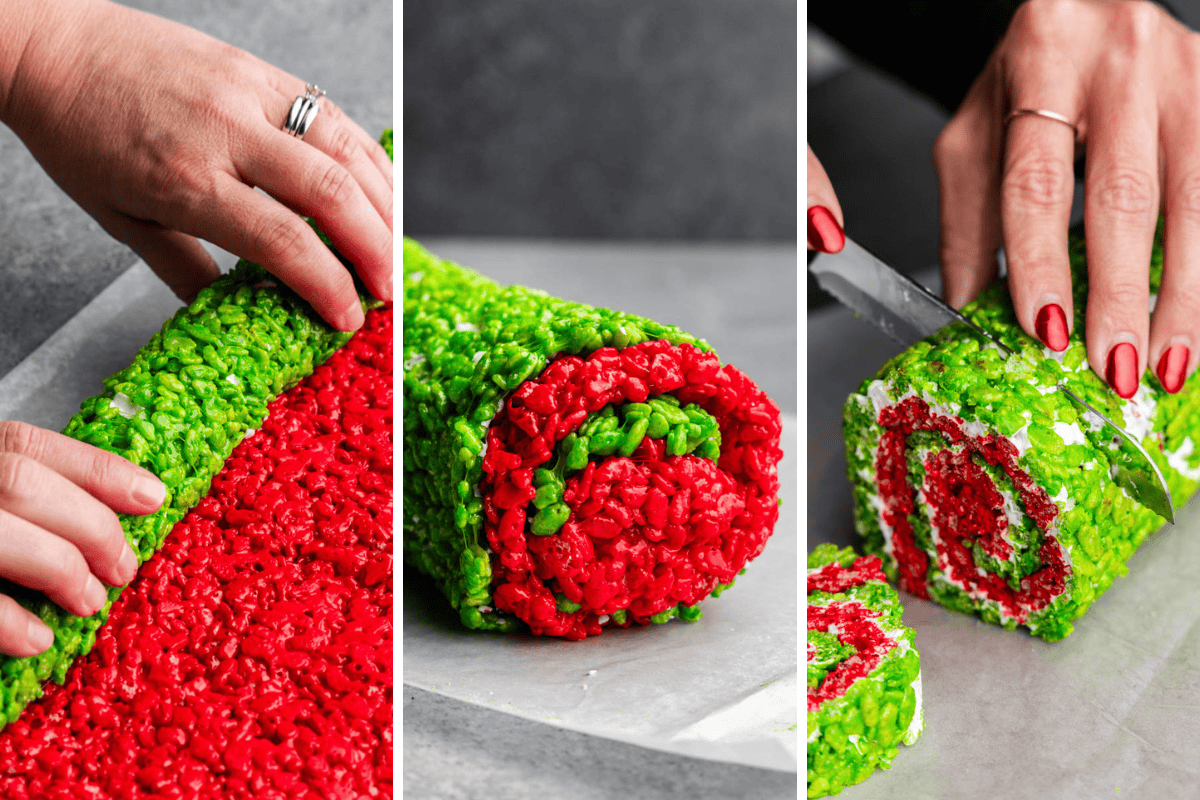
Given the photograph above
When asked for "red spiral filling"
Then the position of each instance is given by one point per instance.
(252, 656)
(853, 622)
(834, 578)
(966, 508)
(647, 532)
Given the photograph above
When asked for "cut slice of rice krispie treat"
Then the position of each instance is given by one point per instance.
(864, 674)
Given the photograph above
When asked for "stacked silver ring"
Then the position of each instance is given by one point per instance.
(304, 111)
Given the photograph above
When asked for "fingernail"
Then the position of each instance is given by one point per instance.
(823, 230)
(40, 636)
(1172, 368)
(94, 594)
(1051, 327)
(127, 569)
(149, 490)
(352, 318)
(1121, 372)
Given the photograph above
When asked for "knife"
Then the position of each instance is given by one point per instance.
(908, 312)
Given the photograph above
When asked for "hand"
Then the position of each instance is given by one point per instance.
(824, 214)
(1128, 77)
(161, 133)
(58, 532)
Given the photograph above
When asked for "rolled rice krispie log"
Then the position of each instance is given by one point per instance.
(864, 674)
(984, 489)
(572, 467)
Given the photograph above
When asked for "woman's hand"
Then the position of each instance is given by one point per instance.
(1127, 76)
(58, 530)
(824, 214)
(161, 133)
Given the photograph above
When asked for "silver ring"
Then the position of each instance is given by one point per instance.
(1040, 112)
(304, 111)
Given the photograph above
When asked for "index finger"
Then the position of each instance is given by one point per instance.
(1036, 189)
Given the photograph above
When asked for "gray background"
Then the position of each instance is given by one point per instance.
(667, 120)
(54, 258)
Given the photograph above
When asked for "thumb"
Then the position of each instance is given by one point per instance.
(824, 214)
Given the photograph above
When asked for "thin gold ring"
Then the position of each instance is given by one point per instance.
(1040, 112)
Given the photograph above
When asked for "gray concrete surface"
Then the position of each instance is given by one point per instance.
(54, 258)
(667, 120)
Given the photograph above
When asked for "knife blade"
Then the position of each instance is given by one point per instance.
(908, 312)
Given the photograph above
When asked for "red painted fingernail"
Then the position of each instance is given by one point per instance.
(823, 230)
(1121, 373)
(1172, 368)
(1051, 327)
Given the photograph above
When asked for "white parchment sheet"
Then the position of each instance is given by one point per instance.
(1111, 711)
(47, 387)
(722, 688)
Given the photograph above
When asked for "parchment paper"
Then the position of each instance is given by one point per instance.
(46, 388)
(1111, 711)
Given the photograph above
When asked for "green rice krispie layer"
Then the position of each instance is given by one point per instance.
(864, 674)
(984, 489)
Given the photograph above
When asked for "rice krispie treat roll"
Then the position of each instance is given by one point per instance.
(190, 396)
(864, 674)
(984, 489)
(178, 410)
(568, 467)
